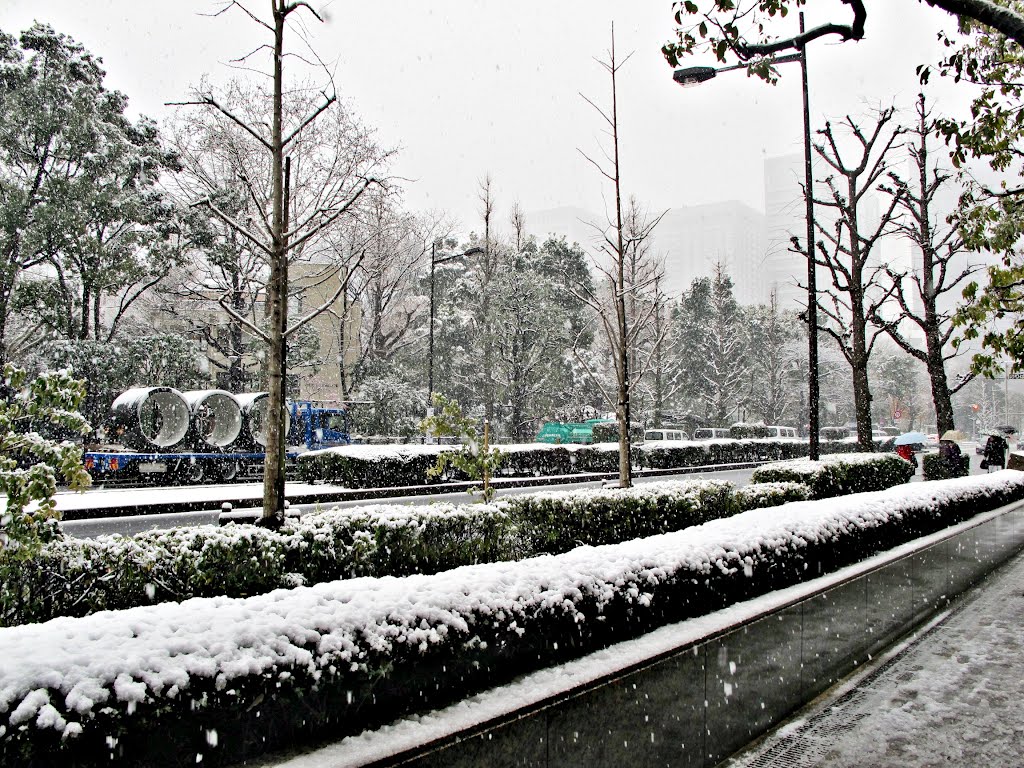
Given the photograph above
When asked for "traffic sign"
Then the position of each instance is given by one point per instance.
(897, 414)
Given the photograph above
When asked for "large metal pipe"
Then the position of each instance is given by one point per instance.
(254, 419)
(216, 418)
(150, 418)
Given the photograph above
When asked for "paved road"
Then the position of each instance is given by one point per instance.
(132, 525)
(948, 696)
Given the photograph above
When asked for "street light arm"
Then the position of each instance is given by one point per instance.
(854, 31)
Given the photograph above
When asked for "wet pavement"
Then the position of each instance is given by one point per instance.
(950, 694)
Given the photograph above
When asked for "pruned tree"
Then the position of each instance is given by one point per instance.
(622, 330)
(286, 225)
(847, 251)
(922, 293)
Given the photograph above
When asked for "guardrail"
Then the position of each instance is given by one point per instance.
(705, 688)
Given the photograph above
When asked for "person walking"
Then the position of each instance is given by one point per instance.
(907, 452)
(950, 453)
(995, 453)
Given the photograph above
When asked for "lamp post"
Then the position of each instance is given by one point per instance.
(695, 76)
(434, 261)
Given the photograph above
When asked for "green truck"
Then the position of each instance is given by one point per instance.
(584, 433)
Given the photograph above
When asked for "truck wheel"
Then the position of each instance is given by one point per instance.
(193, 473)
(229, 471)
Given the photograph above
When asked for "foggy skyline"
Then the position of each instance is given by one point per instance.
(488, 90)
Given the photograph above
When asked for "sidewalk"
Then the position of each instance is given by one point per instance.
(952, 694)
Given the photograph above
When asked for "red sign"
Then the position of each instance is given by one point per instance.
(897, 414)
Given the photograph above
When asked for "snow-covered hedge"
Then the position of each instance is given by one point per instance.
(838, 475)
(367, 466)
(761, 495)
(557, 521)
(218, 680)
(76, 577)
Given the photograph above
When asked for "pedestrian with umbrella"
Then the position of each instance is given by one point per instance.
(951, 453)
(995, 451)
(906, 445)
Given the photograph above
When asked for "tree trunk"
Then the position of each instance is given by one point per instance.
(941, 397)
(6, 289)
(859, 364)
(277, 296)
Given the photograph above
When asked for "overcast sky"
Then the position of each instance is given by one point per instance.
(477, 87)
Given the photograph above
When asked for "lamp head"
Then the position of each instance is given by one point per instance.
(692, 76)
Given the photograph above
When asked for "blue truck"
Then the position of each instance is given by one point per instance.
(158, 438)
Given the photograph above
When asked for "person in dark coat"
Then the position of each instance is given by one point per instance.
(995, 452)
(951, 453)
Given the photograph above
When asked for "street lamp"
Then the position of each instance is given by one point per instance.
(434, 261)
(695, 76)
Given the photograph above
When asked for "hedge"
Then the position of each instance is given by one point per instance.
(221, 680)
(77, 577)
(363, 466)
(838, 475)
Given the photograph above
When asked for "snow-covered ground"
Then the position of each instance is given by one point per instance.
(102, 498)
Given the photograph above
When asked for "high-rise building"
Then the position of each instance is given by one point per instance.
(785, 216)
(693, 239)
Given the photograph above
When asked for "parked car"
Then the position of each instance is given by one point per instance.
(710, 433)
(774, 431)
(665, 434)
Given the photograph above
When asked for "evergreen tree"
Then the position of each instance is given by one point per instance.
(774, 353)
(78, 190)
(712, 348)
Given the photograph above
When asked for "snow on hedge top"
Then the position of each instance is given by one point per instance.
(671, 489)
(809, 466)
(152, 652)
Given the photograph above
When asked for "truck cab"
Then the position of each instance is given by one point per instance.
(318, 426)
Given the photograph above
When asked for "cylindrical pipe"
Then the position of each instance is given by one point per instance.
(150, 418)
(216, 418)
(254, 419)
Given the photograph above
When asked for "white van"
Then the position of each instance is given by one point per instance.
(665, 434)
(710, 433)
(782, 432)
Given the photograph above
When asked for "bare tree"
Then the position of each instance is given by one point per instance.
(285, 228)
(622, 328)
(396, 248)
(487, 268)
(920, 291)
(846, 250)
